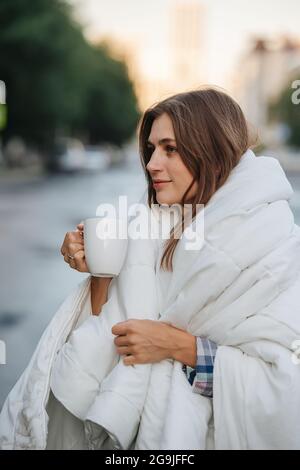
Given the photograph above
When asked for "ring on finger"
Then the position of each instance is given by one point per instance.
(72, 264)
(71, 257)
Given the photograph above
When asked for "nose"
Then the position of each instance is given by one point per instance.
(155, 163)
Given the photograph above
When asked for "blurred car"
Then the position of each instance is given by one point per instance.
(73, 157)
(68, 156)
(96, 158)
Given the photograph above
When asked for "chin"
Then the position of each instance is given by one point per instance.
(165, 199)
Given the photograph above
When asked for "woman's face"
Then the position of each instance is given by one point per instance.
(166, 164)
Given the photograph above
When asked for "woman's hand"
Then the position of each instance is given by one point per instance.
(149, 341)
(72, 250)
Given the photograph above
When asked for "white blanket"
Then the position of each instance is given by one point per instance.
(240, 290)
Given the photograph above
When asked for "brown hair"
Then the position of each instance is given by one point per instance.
(211, 133)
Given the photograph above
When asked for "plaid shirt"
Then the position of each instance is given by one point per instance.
(201, 377)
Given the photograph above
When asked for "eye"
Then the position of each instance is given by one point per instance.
(170, 149)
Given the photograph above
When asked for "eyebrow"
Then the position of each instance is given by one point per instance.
(162, 141)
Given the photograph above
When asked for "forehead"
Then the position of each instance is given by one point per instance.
(162, 127)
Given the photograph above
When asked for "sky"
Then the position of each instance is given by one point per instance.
(228, 27)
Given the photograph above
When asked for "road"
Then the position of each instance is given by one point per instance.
(34, 279)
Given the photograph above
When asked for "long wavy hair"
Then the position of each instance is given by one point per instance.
(211, 134)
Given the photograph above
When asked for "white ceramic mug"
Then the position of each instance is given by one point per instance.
(105, 245)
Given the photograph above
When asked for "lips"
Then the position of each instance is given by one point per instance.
(159, 183)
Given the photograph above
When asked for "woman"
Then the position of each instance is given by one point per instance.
(228, 311)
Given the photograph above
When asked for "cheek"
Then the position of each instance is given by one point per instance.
(178, 171)
(183, 178)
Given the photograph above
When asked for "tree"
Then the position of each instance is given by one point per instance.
(57, 83)
(111, 108)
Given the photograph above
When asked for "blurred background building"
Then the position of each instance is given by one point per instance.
(186, 45)
(183, 64)
(268, 68)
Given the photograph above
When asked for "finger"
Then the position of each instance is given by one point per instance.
(124, 350)
(80, 261)
(80, 229)
(76, 237)
(120, 328)
(80, 226)
(79, 255)
(121, 341)
(70, 237)
(129, 360)
(71, 249)
(74, 248)
(72, 263)
(136, 358)
(67, 259)
(63, 248)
